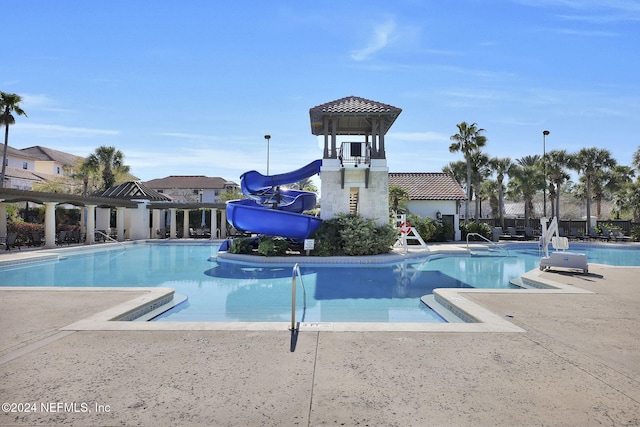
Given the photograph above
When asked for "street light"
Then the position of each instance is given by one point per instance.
(267, 137)
(544, 168)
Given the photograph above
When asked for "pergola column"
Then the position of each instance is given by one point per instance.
(223, 224)
(325, 154)
(120, 222)
(3, 219)
(91, 225)
(185, 226)
(334, 133)
(50, 225)
(381, 151)
(172, 226)
(214, 223)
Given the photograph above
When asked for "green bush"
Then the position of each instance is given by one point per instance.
(426, 226)
(635, 232)
(272, 246)
(476, 227)
(353, 235)
(241, 246)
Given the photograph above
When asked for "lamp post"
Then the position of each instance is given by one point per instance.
(267, 137)
(544, 168)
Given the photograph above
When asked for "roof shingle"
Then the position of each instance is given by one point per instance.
(428, 185)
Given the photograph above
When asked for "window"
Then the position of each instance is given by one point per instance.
(58, 170)
(25, 165)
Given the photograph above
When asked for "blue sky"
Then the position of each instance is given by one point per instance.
(192, 87)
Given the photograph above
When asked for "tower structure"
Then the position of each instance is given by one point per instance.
(354, 174)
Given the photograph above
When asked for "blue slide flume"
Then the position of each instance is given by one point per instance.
(273, 210)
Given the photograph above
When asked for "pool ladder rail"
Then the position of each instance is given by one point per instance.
(296, 273)
(490, 251)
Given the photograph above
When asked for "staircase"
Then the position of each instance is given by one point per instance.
(353, 203)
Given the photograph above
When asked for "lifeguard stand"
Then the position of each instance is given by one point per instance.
(354, 175)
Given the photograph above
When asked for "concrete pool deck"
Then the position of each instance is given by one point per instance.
(575, 360)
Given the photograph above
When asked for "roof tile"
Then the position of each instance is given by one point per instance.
(428, 185)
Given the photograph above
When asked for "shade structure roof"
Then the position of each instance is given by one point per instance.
(428, 185)
(132, 190)
(354, 115)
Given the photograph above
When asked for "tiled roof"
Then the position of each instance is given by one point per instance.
(353, 115)
(355, 105)
(187, 182)
(428, 185)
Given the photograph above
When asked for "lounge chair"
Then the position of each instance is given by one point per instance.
(35, 238)
(573, 233)
(528, 233)
(605, 235)
(511, 231)
(63, 237)
(619, 236)
(11, 241)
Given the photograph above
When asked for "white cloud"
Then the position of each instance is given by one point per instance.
(381, 38)
(57, 131)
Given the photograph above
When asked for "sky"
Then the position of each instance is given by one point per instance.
(192, 87)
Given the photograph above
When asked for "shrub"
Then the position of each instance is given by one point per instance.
(272, 246)
(353, 235)
(476, 227)
(426, 226)
(241, 246)
(635, 232)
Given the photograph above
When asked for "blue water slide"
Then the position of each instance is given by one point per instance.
(273, 210)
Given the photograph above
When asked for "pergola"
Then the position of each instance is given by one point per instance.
(137, 204)
(353, 115)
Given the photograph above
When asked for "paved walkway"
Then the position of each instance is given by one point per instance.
(576, 364)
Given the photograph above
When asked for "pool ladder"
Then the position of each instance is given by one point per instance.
(296, 273)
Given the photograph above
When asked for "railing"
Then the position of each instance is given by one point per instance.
(355, 153)
(482, 237)
(296, 272)
(107, 237)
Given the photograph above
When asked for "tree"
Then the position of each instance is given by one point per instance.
(527, 180)
(501, 166)
(589, 161)
(479, 172)
(8, 102)
(468, 140)
(396, 195)
(108, 161)
(458, 170)
(557, 162)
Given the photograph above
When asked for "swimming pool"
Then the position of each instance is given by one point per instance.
(238, 292)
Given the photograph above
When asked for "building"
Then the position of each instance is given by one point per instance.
(192, 188)
(27, 166)
(434, 194)
(354, 175)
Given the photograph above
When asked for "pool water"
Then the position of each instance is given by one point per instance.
(224, 291)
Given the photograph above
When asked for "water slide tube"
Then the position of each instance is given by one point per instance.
(266, 212)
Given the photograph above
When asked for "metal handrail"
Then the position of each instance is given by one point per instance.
(296, 272)
(110, 238)
(481, 236)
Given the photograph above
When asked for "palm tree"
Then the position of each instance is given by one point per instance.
(589, 161)
(8, 102)
(501, 166)
(527, 180)
(467, 140)
(396, 195)
(531, 170)
(109, 161)
(635, 161)
(557, 162)
(479, 172)
(458, 170)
